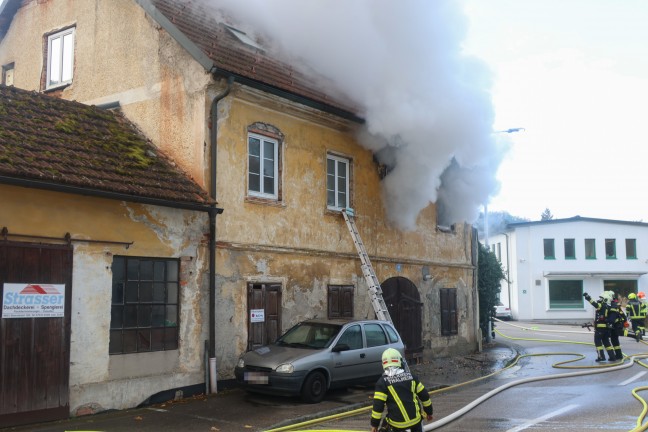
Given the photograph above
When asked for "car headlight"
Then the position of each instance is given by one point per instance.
(241, 363)
(285, 368)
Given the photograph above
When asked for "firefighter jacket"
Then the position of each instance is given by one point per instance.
(601, 321)
(400, 391)
(636, 310)
(616, 316)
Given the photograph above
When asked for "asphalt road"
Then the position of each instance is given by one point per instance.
(600, 400)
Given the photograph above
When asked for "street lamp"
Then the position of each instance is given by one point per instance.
(509, 130)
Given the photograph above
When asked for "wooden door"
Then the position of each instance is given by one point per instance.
(35, 352)
(266, 298)
(405, 308)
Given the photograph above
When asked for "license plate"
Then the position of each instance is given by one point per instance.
(256, 377)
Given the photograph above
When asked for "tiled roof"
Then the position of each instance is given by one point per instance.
(229, 54)
(58, 142)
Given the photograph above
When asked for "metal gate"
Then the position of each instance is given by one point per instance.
(34, 352)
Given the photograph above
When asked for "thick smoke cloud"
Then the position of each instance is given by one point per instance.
(427, 106)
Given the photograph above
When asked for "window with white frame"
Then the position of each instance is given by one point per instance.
(263, 166)
(60, 58)
(337, 182)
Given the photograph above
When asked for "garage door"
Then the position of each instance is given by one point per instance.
(34, 337)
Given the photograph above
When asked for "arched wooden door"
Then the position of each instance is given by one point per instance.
(405, 308)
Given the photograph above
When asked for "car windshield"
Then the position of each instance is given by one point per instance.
(310, 335)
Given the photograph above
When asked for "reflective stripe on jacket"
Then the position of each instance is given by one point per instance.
(400, 393)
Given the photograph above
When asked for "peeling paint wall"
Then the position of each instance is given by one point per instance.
(303, 246)
(122, 55)
(97, 379)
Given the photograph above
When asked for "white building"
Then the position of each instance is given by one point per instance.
(550, 264)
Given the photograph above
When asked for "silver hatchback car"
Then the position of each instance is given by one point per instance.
(317, 355)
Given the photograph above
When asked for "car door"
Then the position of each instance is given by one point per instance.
(348, 365)
(376, 343)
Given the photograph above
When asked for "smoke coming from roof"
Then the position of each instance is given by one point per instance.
(427, 106)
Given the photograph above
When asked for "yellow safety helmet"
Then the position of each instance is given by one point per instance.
(391, 358)
(632, 296)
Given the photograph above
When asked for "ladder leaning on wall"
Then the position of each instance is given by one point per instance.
(375, 292)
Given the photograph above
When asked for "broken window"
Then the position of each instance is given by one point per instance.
(144, 312)
(60, 58)
(610, 249)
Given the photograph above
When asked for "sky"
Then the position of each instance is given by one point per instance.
(574, 75)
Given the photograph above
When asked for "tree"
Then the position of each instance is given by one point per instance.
(546, 215)
(490, 274)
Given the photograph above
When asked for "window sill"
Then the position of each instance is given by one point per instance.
(264, 201)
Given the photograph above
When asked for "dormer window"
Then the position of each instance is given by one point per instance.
(60, 58)
(243, 37)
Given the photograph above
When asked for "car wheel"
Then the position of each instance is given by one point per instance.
(314, 388)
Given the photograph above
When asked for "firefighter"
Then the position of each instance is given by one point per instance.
(401, 392)
(644, 305)
(636, 311)
(601, 328)
(617, 321)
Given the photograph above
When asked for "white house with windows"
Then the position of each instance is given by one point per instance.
(550, 264)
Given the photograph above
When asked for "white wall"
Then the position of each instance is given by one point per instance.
(529, 273)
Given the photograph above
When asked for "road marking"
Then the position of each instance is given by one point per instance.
(634, 378)
(543, 418)
(157, 409)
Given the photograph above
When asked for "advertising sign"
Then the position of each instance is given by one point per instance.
(33, 300)
(257, 315)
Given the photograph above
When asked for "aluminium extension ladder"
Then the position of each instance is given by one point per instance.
(375, 292)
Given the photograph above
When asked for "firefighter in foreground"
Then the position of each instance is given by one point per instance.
(636, 311)
(602, 325)
(401, 392)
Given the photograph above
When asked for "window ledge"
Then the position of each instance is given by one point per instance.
(265, 201)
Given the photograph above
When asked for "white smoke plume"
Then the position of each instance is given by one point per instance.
(427, 105)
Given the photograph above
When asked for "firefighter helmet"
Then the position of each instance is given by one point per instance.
(641, 295)
(632, 296)
(608, 296)
(391, 358)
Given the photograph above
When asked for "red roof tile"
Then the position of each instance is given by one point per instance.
(67, 143)
(231, 55)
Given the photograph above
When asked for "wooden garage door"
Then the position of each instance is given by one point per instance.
(34, 352)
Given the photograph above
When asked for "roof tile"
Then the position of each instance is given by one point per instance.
(71, 144)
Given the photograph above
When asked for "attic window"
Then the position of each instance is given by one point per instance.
(243, 37)
(60, 58)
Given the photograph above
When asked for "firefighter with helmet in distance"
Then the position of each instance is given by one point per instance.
(618, 322)
(401, 392)
(602, 326)
(636, 311)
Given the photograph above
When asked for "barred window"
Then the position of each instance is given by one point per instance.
(144, 310)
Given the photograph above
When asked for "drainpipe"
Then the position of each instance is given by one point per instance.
(213, 138)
